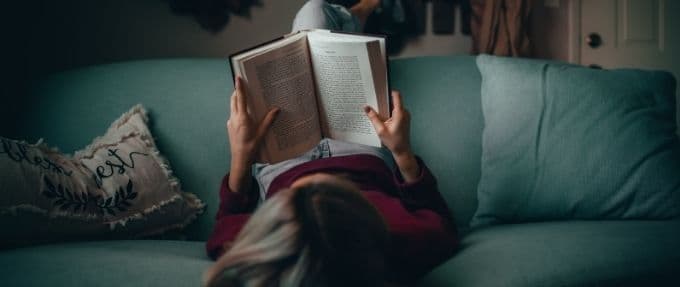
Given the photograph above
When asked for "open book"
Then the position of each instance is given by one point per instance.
(320, 80)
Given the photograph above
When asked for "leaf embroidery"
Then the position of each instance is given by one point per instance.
(63, 198)
(66, 200)
(121, 200)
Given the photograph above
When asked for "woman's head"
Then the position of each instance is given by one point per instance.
(320, 232)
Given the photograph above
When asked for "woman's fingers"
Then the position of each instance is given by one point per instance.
(267, 122)
(378, 123)
(232, 105)
(396, 100)
(240, 95)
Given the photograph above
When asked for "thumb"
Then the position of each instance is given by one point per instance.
(375, 119)
(267, 122)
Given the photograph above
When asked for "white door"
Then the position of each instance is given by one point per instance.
(631, 33)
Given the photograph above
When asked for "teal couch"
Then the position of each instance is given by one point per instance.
(187, 102)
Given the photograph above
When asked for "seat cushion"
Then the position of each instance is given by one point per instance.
(106, 263)
(576, 253)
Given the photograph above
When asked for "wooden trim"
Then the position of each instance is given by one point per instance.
(575, 31)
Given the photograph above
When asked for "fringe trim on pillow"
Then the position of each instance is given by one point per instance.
(194, 204)
(177, 226)
(197, 208)
(41, 145)
(98, 142)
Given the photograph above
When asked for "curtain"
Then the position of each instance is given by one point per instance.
(501, 27)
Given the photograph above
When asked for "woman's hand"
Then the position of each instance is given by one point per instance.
(395, 135)
(245, 136)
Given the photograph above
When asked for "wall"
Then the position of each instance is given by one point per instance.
(550, 29)
(74, 33)
(47, 36)
(431, 44)
(51, 36)
(42, 36)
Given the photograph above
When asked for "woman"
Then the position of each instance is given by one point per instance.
(339, 15)
(340, 215)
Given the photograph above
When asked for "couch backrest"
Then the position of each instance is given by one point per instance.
(443, 96)
(187, 100)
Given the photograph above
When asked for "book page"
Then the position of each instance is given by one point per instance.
(377, 54)
(282, 77)
(345, 83)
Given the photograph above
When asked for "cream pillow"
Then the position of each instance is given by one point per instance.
(118, 187)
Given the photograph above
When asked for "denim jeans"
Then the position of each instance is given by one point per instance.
(318, 14)
(266, 173)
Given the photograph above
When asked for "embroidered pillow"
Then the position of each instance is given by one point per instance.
(118, 187)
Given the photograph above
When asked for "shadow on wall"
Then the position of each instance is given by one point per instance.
(213, 15)
(41, 37)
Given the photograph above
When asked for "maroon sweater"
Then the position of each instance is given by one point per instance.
(422, 233)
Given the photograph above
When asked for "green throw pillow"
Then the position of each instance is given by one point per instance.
(566, 142)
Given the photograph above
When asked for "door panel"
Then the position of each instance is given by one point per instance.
(638, 24)
(633, 33)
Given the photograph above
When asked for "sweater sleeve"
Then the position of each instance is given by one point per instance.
(424, 235)
(233, 213)
(423, 194)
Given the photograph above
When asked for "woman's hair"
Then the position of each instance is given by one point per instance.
(319, 234)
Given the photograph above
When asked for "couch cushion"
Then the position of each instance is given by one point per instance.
(106, 263)
(567, 142)
(443, 96)
(577, 253)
